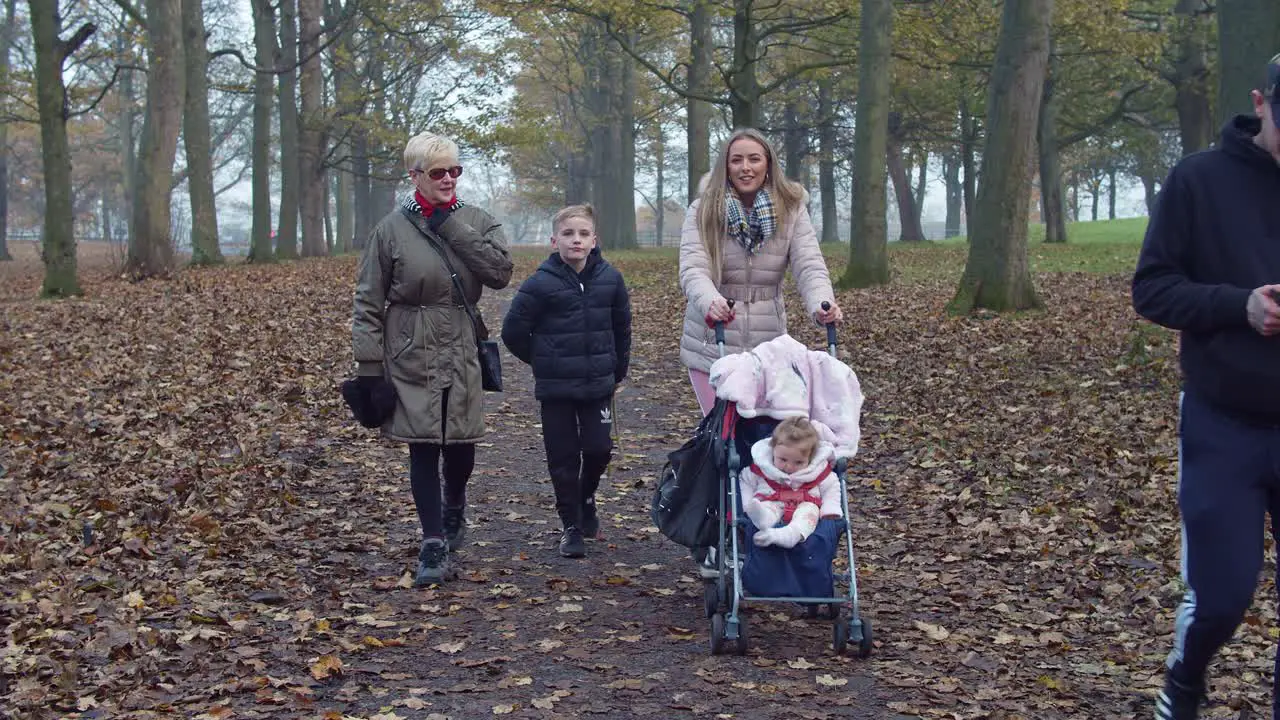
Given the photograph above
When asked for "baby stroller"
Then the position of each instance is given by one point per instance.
(735, 570)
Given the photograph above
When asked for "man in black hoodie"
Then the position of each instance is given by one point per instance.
(1210, 267)
(571, 321)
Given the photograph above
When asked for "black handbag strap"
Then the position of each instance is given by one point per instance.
(416, 219)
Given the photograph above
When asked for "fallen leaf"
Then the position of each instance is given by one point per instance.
(326, 666)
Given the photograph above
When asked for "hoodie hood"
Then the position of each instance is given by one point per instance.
(1237, 140)
(762, 457)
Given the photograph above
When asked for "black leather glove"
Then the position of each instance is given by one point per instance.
(371, 398)
(438, 216)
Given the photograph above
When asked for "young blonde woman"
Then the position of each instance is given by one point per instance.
(747, 227)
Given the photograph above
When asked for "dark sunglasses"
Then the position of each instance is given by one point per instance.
(438, 173)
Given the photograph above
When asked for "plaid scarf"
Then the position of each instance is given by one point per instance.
(751, 229)
(423, 208)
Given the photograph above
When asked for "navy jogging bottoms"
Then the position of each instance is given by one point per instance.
(1229, 477)
(577, 437)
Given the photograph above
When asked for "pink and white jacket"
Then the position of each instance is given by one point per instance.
(754, 484)
(782, 378)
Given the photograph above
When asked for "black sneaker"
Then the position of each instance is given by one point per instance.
(571, 544)
(590, 520)
(455, 526)
(433, 562)
(1178, 702)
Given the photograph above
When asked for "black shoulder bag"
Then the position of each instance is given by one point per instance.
(487, 350)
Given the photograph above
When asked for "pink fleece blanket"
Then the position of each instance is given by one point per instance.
(782, 378)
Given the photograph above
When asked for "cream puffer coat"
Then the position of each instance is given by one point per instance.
(754, 283)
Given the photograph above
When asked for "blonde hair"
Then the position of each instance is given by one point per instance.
(585, 210)
(796, 432)
(428, 149)
(786, 193)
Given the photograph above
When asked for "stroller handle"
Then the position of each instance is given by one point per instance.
(831, 331)
(720, 330)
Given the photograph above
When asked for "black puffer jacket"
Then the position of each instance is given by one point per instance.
(573, 328)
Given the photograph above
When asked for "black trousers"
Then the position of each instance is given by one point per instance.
(577, 437)
(424, 478)
(1228, 482)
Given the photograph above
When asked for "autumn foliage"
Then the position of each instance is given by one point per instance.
(193, 525)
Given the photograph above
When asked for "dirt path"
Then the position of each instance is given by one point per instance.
(527, 633)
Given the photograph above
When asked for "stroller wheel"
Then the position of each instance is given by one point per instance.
(740, 648)
(840, 636)
(864, 645)
(710, 598)
(717, 633)
(833, 610)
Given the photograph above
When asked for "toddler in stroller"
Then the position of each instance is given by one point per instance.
(790, 480)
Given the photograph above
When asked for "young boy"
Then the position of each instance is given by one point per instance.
(571, 320)
(790, 480)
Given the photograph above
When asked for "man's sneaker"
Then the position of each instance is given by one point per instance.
(433, 562)
(1178, 702)
(571, 544)
(455, 526)
(590, 520)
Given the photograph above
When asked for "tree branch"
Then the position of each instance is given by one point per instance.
(68, 48)
(132, 12)
(1111, 118)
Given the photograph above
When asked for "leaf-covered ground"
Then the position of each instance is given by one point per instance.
(193, 526)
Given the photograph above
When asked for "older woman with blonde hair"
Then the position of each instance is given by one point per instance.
(748, 225)
(412, 333)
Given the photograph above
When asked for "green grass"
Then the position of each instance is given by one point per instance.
(1105, 247)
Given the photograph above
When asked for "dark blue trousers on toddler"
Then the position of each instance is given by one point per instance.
(1229, 477)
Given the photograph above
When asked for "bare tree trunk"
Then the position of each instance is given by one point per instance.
(1248, 34)
(922, 184)
(968, 148)
(107, 231)
(363, 192)
(997, 275)
(59, 241)
(955, 192)
(261, 247)
(287, 54)
(1191, 76)
(623, 168)
(1148, 190)
(793, 143)
(151, 246)
(6, 42)
(1051, 192)
(660, 209)
(1111, 191)
(827, 161)
(344, 89)
(128, 148)
(868, 241)
(611, 91)
(311, 137)
(908, 218)
(196, 138)
(344, 205)
(744, 86)
(329, 245)
(699, 112)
